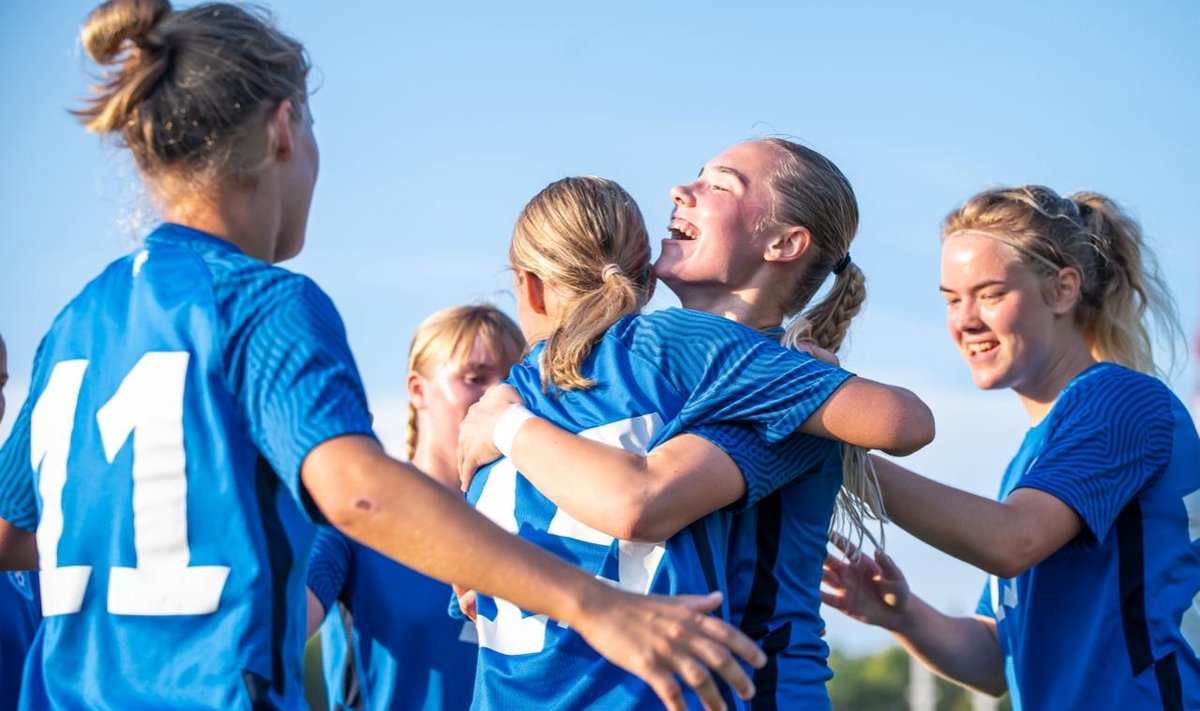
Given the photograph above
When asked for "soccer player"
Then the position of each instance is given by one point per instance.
(193, 397)
(581, 259)
(377, 663)
(729, 255)
(1092, 546)
(19, 612)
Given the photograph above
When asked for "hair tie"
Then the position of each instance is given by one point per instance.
(611, 269)
(842, 264)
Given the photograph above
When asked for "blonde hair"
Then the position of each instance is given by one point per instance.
(808, 190)
(584, 237)
(1121, 285)
(189, 92)
(448, 335)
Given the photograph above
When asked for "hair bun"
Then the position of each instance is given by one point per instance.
(111, 24)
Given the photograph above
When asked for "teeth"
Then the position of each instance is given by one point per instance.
(981, 347)
(683, 230)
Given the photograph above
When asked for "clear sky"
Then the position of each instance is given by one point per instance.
(437, 121)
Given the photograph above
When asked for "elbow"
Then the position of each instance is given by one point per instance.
(914, 427)
(1019, 553)
(345, 498)
(637, 519)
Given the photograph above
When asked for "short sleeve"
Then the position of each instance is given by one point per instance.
(735, 374)
(18, 497)
(766, 467)
(1111, 434)
(18, 502)
(329, 565)
(293, 376)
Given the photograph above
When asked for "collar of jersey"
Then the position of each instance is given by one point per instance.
(174, 232)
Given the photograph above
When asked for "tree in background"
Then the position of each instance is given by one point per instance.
(879, 682)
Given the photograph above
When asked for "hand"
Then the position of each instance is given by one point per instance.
(466, 601)
(475, 446)
(657, 638)
(821, 354)
(871, 591)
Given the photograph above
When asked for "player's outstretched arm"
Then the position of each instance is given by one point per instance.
(1004, 538)
(396, 510)
(624, 494)
(18, 548)
(874, 415)
(874, 591)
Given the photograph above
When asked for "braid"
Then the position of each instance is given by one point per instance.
(410, 438)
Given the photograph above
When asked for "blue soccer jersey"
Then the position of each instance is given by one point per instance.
(158, 458)
(654, 379)
(19, 618)
(1111, 619)
(402, 651)
(775, 555)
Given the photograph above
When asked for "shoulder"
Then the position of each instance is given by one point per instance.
(1114, 392)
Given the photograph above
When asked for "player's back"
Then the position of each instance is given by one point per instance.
(166, 567)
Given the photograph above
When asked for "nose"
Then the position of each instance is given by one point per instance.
(682, 195)
(964, 316)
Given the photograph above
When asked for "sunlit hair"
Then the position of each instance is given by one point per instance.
(190, 92)
(447, 336)
(809, 191)
(1122, 290)
(584, 237)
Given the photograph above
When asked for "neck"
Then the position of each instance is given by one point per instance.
(1039, 397)
(752, 306)
(244, 217)
(438, 464)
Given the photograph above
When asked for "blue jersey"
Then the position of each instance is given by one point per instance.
(654, 379)
(401, 651)
(1109, 620)
(158, 458)
(19, 618)
(776, 553)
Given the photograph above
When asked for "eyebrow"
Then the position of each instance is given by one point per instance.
(977, 287)
(726, 170)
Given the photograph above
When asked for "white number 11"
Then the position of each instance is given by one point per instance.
(148, 405)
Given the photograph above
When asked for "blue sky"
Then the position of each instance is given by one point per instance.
(437, 121)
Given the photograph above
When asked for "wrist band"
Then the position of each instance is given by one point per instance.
(506, 427)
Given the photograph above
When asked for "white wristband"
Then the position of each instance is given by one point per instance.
(506, 427)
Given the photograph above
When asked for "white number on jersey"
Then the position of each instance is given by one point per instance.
(512, 633)
(148, 406)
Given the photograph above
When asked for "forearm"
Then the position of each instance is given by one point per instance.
(962, 649)
(873, 415)
(18, 548)
(994, 536)
(394, 509)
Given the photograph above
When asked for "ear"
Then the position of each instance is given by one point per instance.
(281, 126)
(534, 290)
(1065, 290)
(788, 246)
(416, 390)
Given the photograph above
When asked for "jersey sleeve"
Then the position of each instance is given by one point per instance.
(765, 467)
(18, 497)
(1113, 434)
(293, 375)
(329, 565)
(734, 374)
(18, 503)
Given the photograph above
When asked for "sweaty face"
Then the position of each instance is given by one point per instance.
(448, 389)
(997, 313)
(712, 239)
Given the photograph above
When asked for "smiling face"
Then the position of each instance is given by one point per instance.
(998, 314)
(713, 237)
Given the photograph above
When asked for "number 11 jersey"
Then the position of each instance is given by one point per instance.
(158, 457)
